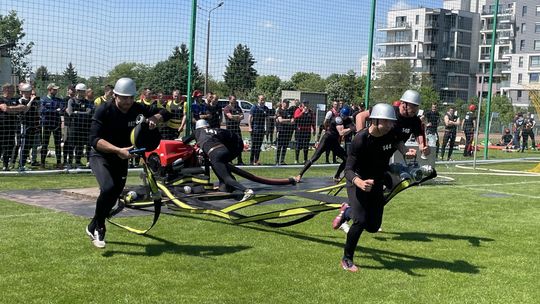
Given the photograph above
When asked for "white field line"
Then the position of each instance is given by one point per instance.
(493, 174)
(498, 192)
(496, 170)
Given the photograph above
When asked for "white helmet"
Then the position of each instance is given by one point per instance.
(411, 96)
(25, 87)
(383, 111)
(201, 123)
(125, 87)
(80, 87)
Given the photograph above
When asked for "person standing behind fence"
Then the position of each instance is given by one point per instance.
(432, 123)
(233, 116)
(527, 132)
(213, 112)
(334, 112)
(107, 96)
(257, 121)
(305, 123)
(451, 121)
(29, 122)
(9, 110)
(79, 114)
(177, 123)
(285, 128)
(467, 125)
(51, 121)
(271, 125)
(517, 127)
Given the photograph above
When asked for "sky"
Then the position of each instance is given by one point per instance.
(284, 37)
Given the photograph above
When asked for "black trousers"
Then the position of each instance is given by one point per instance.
(111, 174)
(237, 131)
(257, 137)
(328, 143)
(449, 138)
(469, 134)
(525, 134)
(46, 132)
(78, 137)
(219, 158)
(28, 141)
(7, 141)
(302, 143)
(282, 142)
(366, 212)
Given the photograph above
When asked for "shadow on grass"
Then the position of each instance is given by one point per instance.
(166, 246)
(428, 237)
(388, 260)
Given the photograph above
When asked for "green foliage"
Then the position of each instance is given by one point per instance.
(309, 82)
(240, 76)
(173, 73)
(269, 86)
(218, 87)
(428, 94)
(344, 86)
(395, 78)
(70, 75)
(135, 71)
(42, 74)
(11, 31)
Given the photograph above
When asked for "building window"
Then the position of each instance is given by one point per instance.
(522, 45)
(520, 78)
(523, 27)
(519, 93)
(538, 10)
(520, 61)
(537, 45)
(537, 27)
(534, 62)
(533, 77)
(415, 34)
(417, 20)
(524, 11)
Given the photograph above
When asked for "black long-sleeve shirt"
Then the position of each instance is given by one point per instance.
(110, 124)
(369, 156)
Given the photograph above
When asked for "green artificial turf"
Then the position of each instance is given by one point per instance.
(471, 240)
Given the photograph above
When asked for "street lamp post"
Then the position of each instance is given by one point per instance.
(208, 43)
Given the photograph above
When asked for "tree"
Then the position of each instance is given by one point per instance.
(269, 86)
(173, 73)
(395, 78)
(428, 93)
(310, 82)
(42, 74)
(70, 75)
(11, 33)
(135, 71)
(343, 86)
(240, 76)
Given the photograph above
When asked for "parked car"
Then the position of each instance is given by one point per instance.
(244, 105)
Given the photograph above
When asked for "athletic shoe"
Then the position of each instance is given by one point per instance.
(247, 195)
(345, 227)
(99, 238)
(336, 179)
(348, 265)
(338, 220)
(90, 231)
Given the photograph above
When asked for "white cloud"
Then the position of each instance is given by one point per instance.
(268, 24)
(400, 5)
(272, 60)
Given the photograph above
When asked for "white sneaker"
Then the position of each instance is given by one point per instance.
(97, 237)
(345, 227)
(247, 195)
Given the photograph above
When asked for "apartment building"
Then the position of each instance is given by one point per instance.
(437, 42)
(517, 49)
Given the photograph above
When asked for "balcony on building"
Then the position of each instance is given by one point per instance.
(397, 26)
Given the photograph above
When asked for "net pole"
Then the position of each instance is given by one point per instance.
(490, 88)
(370, 52)
(190, 65)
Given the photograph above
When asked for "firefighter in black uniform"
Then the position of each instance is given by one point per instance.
(451, 121)
(233, 116)
(110, 132)
(78, 116)
(468, 128)
(367, 161)
(285, 129)
(221, 146)
(339, 126)
(30, 123)
(9, 111)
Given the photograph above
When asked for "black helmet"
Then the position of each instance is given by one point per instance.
(144, 137)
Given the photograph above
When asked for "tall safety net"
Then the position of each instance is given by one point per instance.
(279, 74)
